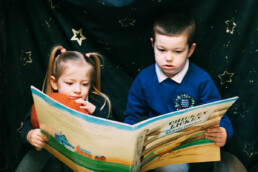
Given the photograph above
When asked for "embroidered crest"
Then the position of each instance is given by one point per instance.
(184, 101)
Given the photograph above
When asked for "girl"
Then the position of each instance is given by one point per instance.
(77, 76)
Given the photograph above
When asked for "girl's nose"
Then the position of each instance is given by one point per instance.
(77, 88)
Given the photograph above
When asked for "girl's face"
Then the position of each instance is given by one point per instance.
(171, 52)
(74, 81)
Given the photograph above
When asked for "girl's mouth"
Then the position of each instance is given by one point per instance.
(75, 97)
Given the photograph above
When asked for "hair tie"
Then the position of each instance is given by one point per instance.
(63, 50)
(88, 55)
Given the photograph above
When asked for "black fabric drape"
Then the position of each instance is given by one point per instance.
(121, 31)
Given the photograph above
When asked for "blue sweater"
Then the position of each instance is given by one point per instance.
(148, 97)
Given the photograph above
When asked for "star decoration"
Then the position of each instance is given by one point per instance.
(240, 110)
(78, 36)
(227, 59)
(52, 4)
(127, 22)
(226, 44)
(20, 128)
(225, 77)
(249, 150)
(49, 22)
(252, 70)
(26, 57)
(230, 26)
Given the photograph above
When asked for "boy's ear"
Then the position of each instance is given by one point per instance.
(191, 50)
(151, 39)
(53, 82)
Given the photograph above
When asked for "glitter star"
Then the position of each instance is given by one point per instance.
(52, 4)
(230, 26)
(20, 128)
(127, 22)
(225, 77)
(26, 57)
(241, 110)
(79, 38)
(249, 150)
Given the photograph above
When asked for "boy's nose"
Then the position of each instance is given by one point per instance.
(169, 57)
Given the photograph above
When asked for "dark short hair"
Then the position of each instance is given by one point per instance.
(174, 22)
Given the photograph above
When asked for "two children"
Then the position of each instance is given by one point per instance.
(75, 75)
(173, 82)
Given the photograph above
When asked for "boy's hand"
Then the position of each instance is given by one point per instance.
(86, 105)
(218, 135)
(36, 138)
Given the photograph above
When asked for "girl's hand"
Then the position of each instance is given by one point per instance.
(36, 138)
(218, 135)
(86, 105)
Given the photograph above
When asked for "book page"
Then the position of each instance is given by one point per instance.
(89, 143)
(84, 142)
(178, 137)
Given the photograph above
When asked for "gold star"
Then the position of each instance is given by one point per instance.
(225, 77)
(20, 128)
(249, 150)
(75, 34)
(26, 57)
(127, 22)
(52, 4)
(230, 26)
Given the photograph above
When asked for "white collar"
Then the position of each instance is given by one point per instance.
(177, 78)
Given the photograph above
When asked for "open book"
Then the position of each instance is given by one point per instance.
(89, 143)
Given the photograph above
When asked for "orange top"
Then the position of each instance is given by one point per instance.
(61, 98)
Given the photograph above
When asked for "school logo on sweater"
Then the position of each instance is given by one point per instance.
(184, 101)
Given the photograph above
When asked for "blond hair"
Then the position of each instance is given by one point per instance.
(57, 65)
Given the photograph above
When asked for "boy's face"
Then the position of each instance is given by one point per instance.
(73, 82)
(171, 52)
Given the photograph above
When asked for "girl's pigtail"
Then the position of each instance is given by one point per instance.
(46, 84)
(97, 67)
(97, 86)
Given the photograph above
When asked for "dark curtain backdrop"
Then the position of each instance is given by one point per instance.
(121, 30)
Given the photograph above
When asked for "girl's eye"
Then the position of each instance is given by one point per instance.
(85, 84)
(178, 52)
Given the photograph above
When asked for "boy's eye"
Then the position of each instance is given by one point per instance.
(161, 50)
(69, 83)
(178, 52)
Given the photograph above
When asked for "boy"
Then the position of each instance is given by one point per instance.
(174, 83)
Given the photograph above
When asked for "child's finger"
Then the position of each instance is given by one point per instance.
(38, 138)
(39, 146)
(214, 134)
(214, 139)
(213, 130)
(80, 101)
(84, 106)
(217, 136)
(44, 137)
(38, 149)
